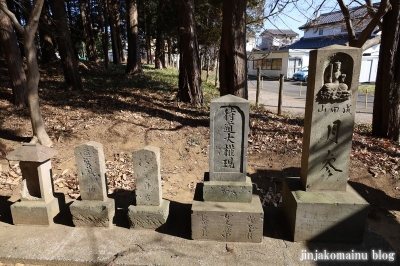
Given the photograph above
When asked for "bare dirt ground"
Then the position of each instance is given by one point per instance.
(125, 118)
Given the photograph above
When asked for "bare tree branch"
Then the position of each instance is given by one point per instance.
(14, 20)
(384, 7)
(371, 42)
(347, 20)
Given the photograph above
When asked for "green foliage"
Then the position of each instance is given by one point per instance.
(370, 88)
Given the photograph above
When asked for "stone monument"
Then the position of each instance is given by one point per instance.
(151, 210)
(224, 208)
(37, 205)
(94, 209)
(320, 205)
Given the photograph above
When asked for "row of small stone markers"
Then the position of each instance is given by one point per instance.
(318, 205)
(38, 206)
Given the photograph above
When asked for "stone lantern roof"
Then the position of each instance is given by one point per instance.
(32, 152)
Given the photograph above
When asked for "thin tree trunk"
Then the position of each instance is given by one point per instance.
(13, 58)
(169, 47)
(73, 79)
(102, 7)
(16, 10)
(386, 119)
(190, 89)
(134, 65)
(47, 47)
(233, 67)
(29, 33)
(118, 31)
(113, 28)
(90, 44)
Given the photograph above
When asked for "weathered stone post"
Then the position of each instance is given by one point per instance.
(320, 205)
(94, 209)
(225, 209)
(37, 205)
(151, 210)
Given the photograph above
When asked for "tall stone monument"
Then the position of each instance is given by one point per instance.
(94, 209)
(224, 208)
(320, 205)
(151, 210)
(37, 205)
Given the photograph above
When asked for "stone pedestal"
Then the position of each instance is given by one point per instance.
(227, 221)
(35, 212)
(93, 213)
(148, 217)
(224, 191)
(328, 216)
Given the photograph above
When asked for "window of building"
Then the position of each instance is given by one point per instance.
(257, 63)
(268, 64)
(321, 32)
(276, 64)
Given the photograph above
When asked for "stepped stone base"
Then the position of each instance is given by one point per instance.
(34, 212)
(148, 217)
(327, 216)
(228, 191)
(93, 213)
(227, 221)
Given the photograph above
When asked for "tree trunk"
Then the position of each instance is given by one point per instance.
(14, 61)
(102, 7)
(233, 67)
(159, 53)
(47, 47)
(29, 33)
(70, 65)
(118, 30)
(90, 44)
(134, 65)
(386, 120)
(169, 49)
(17, 11)
(113, 28)
(190, 89)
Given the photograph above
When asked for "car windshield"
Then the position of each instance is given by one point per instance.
(304, 69)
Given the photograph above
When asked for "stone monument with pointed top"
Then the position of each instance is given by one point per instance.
(320, 205)
(37, 205)
(151, 210)
(224, 207)
(94, 209)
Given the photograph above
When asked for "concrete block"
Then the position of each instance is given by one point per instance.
(228, 221)
(35, 212)
(229, 128)
(93, 213)
(228, 191)
(148, 217)
(327, 216)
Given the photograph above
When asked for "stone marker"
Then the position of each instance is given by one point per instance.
(94, 209)
(320, 205)
(224, 208)
(151, 210)
(37, 205)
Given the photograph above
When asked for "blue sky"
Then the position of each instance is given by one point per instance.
(295, 16)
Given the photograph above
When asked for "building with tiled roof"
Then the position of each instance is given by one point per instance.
(275, 39)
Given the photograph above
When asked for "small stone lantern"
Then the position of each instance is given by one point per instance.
(37, 205)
